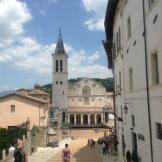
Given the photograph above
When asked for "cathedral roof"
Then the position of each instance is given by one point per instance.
(60, 45)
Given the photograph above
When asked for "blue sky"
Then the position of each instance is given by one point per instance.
(29, 30)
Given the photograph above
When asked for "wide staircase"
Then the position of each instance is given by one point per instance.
(80, 152)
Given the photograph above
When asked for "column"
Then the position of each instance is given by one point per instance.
(95, 119)
(3, 154)
(82, 119)
(88, 119)
(74, 119)
(68, 120)
(102, 118)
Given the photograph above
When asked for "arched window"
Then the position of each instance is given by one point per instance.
(56, 65)
(61, 65)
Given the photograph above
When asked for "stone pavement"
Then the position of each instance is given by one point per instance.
(80, 152)
(107, 158)
(44, 154)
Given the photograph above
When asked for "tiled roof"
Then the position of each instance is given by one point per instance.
(37, 92)
(23, 96)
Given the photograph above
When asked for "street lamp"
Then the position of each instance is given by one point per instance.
(125, 109)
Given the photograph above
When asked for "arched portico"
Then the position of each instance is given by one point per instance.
(78, 119)
(71, 118)
(85, 119)
(92, 119)
(98, 119)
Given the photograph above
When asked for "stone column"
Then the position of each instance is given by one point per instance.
(95, 118)
(68, 120)
(102, 118)
(3, 154)
(82, 119)
(74, 119)
(88, 119)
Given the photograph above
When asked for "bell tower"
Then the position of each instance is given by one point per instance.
(60, 75)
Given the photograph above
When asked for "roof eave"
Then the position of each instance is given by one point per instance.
(107, 46)
(109, 18)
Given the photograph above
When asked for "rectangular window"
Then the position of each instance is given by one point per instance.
(12, 108)
(56, 65)
(151, 2)
(56, 82)
(159, 131)
(129, 27)
(130, 79)
(61, 65)
(60, 82)
(155, 69)
(133, 120)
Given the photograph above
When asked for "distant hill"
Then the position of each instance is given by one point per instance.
(107, 83)
(6, 93)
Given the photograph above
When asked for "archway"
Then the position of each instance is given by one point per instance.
(92, 119)
(71, 118)
(78, 119)
(98, 117)
(85, 119)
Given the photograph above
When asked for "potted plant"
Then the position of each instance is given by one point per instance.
(128, 156)
(135, 157)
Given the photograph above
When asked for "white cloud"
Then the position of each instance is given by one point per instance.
(30, 55)
(52, 1)
(13, 15)
(4, 88)
(43, 12)
(98, 8)
(27, 53)
(95, 24)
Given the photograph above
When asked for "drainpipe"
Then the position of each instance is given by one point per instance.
(114, 92)
(147, 82)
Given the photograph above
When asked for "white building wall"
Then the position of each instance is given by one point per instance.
(132, 55)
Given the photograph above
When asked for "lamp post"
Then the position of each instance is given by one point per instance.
(126, 109)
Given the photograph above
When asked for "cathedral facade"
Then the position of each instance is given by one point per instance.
(83, 103)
